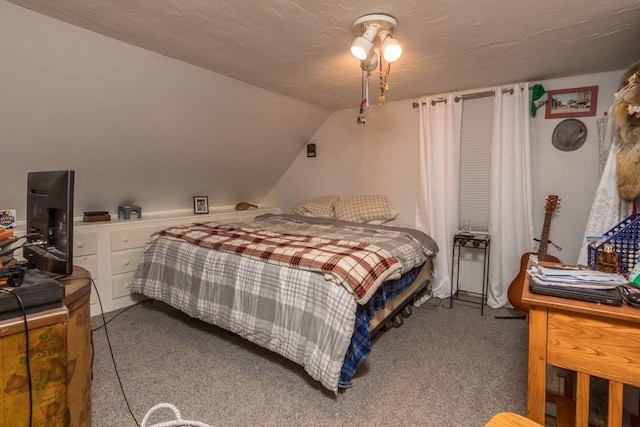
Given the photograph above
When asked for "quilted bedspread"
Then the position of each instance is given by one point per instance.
(360, 267)
(293, 312)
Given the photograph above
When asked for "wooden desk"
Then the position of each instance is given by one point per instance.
(588, 338)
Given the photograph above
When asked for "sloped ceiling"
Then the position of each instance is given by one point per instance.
(137, 127)
(300, 48)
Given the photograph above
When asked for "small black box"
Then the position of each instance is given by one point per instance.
(38, 292)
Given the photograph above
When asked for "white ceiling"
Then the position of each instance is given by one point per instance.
(299, 48)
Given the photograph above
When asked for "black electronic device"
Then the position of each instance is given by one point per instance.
(13, 276)
(599, 296)
(632, 298)
(38, 292)
(49, 246)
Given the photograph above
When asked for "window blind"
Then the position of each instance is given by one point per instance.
(475, 163)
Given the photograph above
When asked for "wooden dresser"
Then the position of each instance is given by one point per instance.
(60, 359)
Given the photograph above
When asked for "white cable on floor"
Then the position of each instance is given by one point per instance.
(177, 422)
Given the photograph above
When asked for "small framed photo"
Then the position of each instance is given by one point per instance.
(576, 102)
(200, 205)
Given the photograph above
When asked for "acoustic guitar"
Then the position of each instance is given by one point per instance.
(515, 288)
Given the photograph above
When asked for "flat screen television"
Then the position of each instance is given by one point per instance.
(49, 244)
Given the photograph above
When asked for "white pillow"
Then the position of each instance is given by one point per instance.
(363, 209)
(384, 221)
(322, 207)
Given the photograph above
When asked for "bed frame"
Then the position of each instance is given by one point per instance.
(392, 315)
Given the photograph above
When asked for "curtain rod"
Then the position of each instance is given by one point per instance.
(465, 97)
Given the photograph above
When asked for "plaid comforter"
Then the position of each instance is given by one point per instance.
(295, 313)
(358, 266)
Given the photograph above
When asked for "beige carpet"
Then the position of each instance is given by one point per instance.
(443, 367)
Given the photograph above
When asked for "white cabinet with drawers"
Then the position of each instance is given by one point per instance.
(85, 254)
(112, 250)
(127, 247)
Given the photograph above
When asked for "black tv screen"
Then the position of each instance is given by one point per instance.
(50, 221)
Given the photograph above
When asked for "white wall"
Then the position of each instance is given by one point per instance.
(572, 175)
(381, 157)
(134, 125)
(140, 127)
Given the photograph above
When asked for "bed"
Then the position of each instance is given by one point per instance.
(244, 277)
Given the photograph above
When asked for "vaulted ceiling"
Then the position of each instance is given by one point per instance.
(299, 48)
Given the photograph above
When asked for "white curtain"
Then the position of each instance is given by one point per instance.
(437, 205)
(510, 194)
(510, 215)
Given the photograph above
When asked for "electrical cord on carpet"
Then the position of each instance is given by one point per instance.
(27, 350)
(178, 421)
(432, 304)
(113, 359)
(118, 314)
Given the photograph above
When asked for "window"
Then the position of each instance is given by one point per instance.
(475, 162)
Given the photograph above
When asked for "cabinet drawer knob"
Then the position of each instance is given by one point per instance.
(125, 262)
(125, 239)
(128, 285)
(80, 245)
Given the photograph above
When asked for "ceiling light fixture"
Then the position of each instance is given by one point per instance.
(391, 50)
(375, 47)
(362, 45)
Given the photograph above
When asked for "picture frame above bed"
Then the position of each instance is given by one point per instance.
(575, 102)
(200, 205)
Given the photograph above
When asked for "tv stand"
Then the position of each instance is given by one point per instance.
(79, 348)
(61, 359)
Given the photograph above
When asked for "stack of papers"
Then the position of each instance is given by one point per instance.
(573, 276)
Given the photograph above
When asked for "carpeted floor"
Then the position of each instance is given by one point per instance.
(443, 367)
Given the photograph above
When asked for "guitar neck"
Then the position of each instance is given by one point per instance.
(517, 285)
(544, 237)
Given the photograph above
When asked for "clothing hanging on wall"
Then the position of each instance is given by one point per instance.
(608, 209)
(604, 144)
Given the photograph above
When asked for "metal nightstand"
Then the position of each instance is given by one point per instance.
(471, 240)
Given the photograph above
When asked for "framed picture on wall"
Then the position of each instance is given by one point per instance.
(200, 205)
(576, 102)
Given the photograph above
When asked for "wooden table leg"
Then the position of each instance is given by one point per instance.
(537, 379)
(582, 399)
(615, 403)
